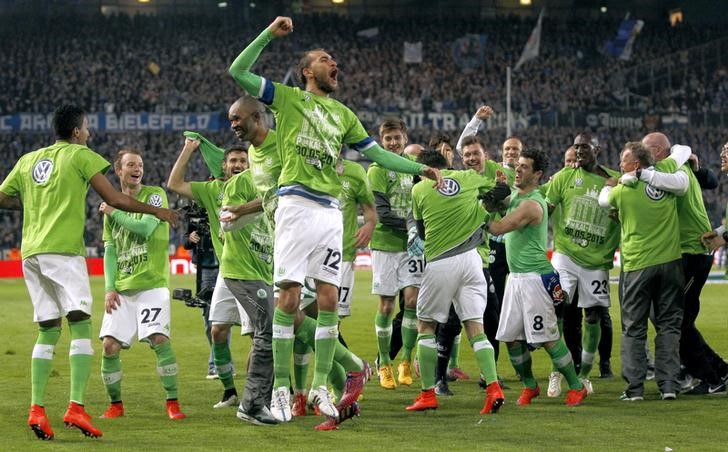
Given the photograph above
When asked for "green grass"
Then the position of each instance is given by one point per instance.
(602, 423)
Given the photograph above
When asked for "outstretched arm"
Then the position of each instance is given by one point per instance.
(391, 161)
(483, 113)
(528, 212)
(177, 182)
(144, 226)
(240, 69)
(117, 199)
(10, 202)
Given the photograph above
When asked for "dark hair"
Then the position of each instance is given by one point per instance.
(230, 150)
(439, 138)
(66, 118)
(641, 153)
(122, 153)
(472, 139)
(432, 158)
(303, 63)
(540, 161)
(392, 124)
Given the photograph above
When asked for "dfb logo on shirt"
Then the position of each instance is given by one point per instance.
(450, 187)
(155, 200)
(42, 171)
(653, 193)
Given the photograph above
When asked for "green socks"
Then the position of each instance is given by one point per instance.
(42, 362)
(485, 356)
(223, 363)
(337, 377)
(111, 374)
(282, 348)
(521, 360)
(383, 327)
(327, 336)
(589, 344)
(301, 358)
(561, 358)
(409, 333)
(455, 353)
(167, 368)
(79, 355)
(427, 356)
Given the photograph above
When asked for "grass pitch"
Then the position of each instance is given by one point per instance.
(602, 423)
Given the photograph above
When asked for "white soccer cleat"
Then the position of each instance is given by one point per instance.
(554, 384)
(280, 404)
(321, 398)
(588, 385)
(225, 403)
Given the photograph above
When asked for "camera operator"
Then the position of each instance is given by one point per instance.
(209, 195)
(198, 241)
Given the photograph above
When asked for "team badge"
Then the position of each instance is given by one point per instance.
(579, 182)
(220, 196)
(450, 187)
(262, 293)
(392, 175)
(42, 171)
(653, 193)
(155, 200)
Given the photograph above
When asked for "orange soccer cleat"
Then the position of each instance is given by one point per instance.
(427, 400)
(38, 422)
(76, 416)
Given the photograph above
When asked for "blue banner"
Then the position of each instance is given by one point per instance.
(110, 122)
(621, 46)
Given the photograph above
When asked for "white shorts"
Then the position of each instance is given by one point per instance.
(225, 309)
(593, 285)
(141, 314)
(456, 280)
(527, 312)
(58, 284)
(308, 241)
(308, 290)
(393, 271)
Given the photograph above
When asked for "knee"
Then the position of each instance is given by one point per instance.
(77, 316)
(156, 339)
(50, 323)
(219, 333)
(592, 315)
(111, 346)
(386, 305)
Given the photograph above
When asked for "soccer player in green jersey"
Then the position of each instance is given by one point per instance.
(652, 280)
(136, 275)
(697, 358)
(50, 186)
(585, 238)
(451, 221)
(393, 268)
(224, 310)
(528, 317)
(311, 129)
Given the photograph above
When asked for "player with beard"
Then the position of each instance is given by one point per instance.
(224, 310)
(311, 129)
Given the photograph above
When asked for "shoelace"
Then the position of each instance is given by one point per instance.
(280, 399)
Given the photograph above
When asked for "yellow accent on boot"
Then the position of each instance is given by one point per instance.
(386, 377)
(404, 373)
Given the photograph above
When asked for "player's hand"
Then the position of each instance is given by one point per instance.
(694, 162)
(111, 302)
(191, 145)
(229, 214)
(484, 112)
(500, 176)
(629, 179)
(415, 245)
(105, 208)
(712, 240)
(168, 215)
(281, 26)
(612, 182)
(364, 234)
(434, 174)
(194, 237)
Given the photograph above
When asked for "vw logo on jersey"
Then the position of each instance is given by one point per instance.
(220, 196)
(450, 187)
(392, 175)
(653, 193)
(155, 200)
(579, 182)
(42, 171)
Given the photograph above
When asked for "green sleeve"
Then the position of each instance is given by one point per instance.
(240, 69)
(416, 214)
(145, 226)
(11, 185)
(109, 266)
(613, 195)
(364, 194)
(392, 161)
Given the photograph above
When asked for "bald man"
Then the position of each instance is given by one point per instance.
(698, 358)
(414, 150)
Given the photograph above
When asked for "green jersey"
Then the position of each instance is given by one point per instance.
(526, 246)
(451, 214)
(650, 231)
(491, 168)
(397, 188)
(311, 130)
(52, 183)
(583, 230)
(247, 252)
(265, 166)
(209, 195)
(142, 263)
(355, 191)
